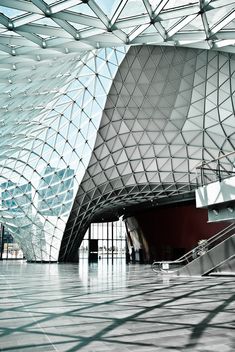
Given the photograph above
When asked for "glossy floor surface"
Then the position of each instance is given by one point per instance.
(115, 308)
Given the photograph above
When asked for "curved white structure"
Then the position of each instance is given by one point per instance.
(72, 122)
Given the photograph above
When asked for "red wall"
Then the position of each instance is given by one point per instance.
(172, 231)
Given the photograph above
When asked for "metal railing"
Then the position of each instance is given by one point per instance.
(216, 170)
(172, 265)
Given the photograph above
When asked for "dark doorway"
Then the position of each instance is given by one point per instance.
(93, 250)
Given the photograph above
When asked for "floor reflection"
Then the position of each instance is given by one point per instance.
(112, 307)
(103, 273)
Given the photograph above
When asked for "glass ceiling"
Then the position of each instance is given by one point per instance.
(58, 62)
(73, 26)
(168, 110)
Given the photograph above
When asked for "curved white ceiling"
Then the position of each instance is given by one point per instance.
(58, 60)
(168, 110)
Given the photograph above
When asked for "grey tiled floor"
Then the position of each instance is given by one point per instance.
(115, 308)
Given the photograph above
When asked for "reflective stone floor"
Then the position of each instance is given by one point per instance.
(115, 308)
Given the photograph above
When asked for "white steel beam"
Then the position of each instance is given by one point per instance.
(21, 5)
(161, 30)
(205, 25)
(159, 7)
(44, 30)
(180, 24)
(67, 27)
(41, 5)
(137, 31)
(132, 21)
(20, 21)
(178, 12)
(99, 13)
(119, 9)
(32, 37)
(64, 5)
(80, 19)
(223, 22)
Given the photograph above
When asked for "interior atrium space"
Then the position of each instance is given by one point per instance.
(117, 175)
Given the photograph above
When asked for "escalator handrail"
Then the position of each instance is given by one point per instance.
(187, 257)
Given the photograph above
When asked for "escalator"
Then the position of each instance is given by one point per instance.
(202, 260)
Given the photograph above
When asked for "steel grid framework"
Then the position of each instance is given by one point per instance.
(82, 131)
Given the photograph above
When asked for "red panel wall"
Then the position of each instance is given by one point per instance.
(172, 231)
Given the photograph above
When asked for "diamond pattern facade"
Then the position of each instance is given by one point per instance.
(168, 109)
(92, 122)
(44, 155)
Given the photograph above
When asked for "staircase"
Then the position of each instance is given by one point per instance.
(216, 192)
(216, 188)
(202, 260)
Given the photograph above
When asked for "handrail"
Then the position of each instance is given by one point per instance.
(214, 160)
(212, 239)
(216, 169)
(189, 256)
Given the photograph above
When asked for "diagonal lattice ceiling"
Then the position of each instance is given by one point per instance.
(58, 61)
(29, 27)
(167, 110)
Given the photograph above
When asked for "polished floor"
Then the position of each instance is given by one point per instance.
(113, 308)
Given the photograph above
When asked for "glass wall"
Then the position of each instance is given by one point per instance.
(110, 238)
(9, 249)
